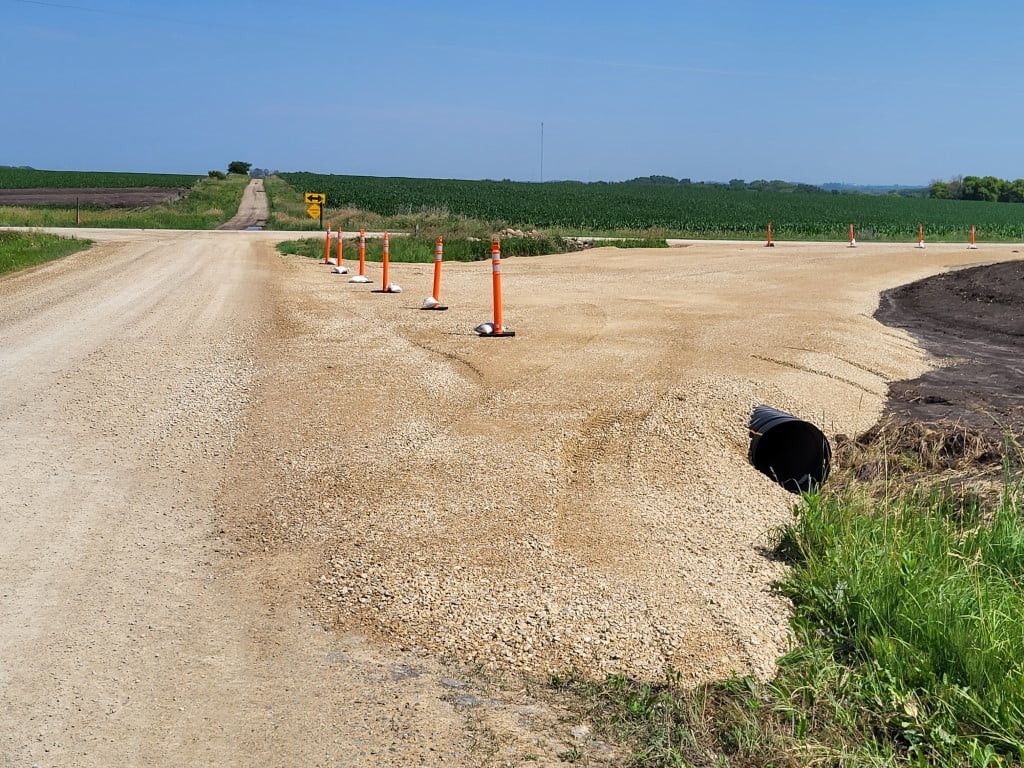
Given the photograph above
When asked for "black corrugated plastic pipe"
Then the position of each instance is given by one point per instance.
(793, 453)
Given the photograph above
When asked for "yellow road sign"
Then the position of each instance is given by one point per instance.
(313, 211)
(315, 197)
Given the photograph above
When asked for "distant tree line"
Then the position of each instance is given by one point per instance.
(987, 188)
(760, 185)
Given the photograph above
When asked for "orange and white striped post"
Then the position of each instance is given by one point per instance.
(972, 246)
(920, 235)
(362, 253)
(434, 301)
(769, 244)
(361, 277)
(853, 240)
(496, 328)
(388, 286)
(327, 246)
(439, 254)
(339, 268)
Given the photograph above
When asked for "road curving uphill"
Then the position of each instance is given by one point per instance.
(253, 210)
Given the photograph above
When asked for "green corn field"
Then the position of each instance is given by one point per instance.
(700, 211)
(29, 178)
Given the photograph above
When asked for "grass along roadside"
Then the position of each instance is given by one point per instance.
(288, 212)
(909, 646)
(419, 249)
(209, 202)
(19, 250)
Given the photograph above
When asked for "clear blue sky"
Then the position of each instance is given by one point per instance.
(814, 91)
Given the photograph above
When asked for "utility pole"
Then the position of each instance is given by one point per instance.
(542, 151)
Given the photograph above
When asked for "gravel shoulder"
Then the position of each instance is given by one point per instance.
(214, 453)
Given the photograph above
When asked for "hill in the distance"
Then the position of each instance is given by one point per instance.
(876, 189)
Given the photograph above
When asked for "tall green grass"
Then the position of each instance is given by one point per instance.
(923, 596)
(909, 628)
(26, 249)
(421, 249)
(209, 203)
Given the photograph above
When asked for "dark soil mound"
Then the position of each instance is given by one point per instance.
(976, 317)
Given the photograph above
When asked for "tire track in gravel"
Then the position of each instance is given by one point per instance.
(134, 628)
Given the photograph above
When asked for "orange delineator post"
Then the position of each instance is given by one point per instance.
(362, 253)
(920, 235)
(853, 240)
(496, 281)
(327, 246)
(384, 261)
(497, 328)
(972, 245)
(438, 254)
(338, 259)
(769, 244)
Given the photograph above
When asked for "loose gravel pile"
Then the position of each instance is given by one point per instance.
(576, 498)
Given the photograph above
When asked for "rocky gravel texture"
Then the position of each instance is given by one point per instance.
(253, 514)
(577, 497)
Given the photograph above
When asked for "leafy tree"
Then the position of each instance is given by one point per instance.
(217, 174)
(237, 166)
(1015, 191)
(987, 188)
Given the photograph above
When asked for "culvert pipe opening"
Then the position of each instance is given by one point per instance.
(793, 453)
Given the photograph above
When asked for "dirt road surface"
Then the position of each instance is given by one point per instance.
(130, 197)
(252, 210)
(252, 514)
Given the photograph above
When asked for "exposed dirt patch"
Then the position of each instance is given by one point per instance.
(134, 197)
(973, 319)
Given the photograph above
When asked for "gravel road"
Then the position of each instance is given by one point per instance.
(212, 454)
(252, 210)
(132, 632)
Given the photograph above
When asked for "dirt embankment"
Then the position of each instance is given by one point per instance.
(973, 320)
